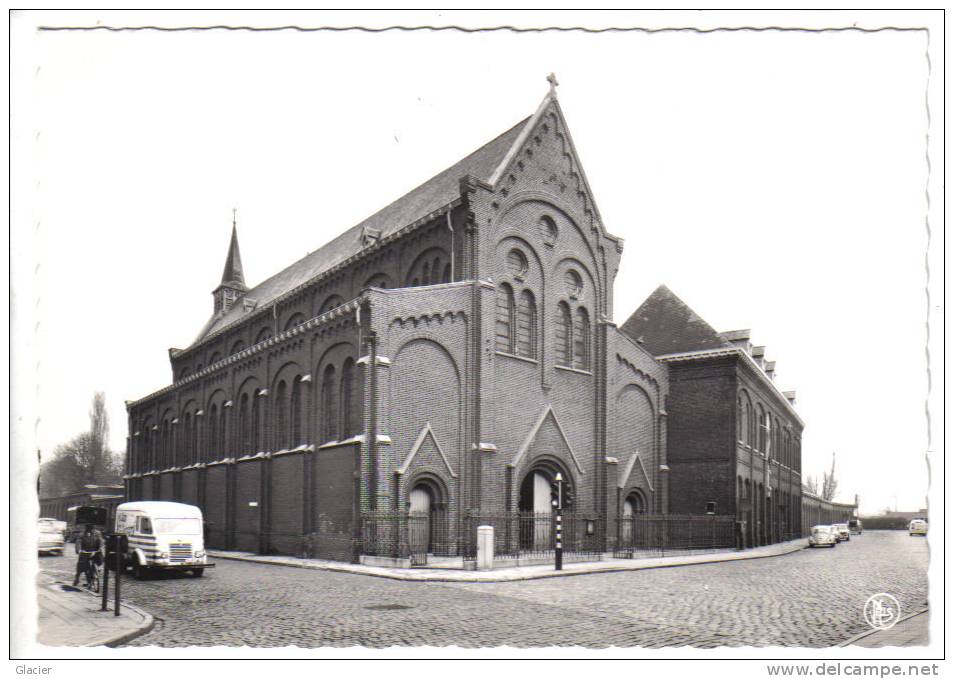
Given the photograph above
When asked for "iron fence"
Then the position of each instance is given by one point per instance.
(532, 535)
(656, 534)
(408, 535)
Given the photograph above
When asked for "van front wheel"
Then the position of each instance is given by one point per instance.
(139, 572)
(198, 572)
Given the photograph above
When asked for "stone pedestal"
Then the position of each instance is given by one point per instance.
(485, 548)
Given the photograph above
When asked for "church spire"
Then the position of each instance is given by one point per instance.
(233, 278)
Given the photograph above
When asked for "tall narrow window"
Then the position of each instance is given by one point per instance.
(211, 424)
(187, 451)
(347, 399)
(581, 340)
(223, 444)
(329, 410)
(527, 325)
(256, 429)
(281, 417)
(245, 439)
(762, 428)
(436, 270)
(447, 274)
(564, 336)
(296, 439)
(504, 322)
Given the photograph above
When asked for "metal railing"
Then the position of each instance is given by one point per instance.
(532, 535)
(408, 535)
(643, 535)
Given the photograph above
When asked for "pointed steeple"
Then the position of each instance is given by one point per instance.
(233, 277)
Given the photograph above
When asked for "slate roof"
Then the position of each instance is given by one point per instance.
(664, 324)
(430, 196)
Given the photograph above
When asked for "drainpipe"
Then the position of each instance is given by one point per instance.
(450, 227)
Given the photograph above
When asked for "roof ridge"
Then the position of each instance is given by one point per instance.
(435, 193)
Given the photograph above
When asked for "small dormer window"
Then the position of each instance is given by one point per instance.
(369, 236)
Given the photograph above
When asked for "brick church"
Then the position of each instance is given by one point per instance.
(453, 353)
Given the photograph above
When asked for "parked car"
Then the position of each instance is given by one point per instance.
(50, 536)
(822, 536)
(162, 536)
(841, 531)
(917, 527)
(854, 526)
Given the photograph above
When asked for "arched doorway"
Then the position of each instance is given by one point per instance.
(536, 504)
(426, 517)
(633, 505)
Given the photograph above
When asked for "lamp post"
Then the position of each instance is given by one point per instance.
(559, 522)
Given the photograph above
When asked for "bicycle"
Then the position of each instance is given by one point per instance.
(94, 571)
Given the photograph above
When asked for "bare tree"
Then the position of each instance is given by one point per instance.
(810, 485)
(829, 482)
(85, 459)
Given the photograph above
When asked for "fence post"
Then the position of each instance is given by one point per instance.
(485, 548)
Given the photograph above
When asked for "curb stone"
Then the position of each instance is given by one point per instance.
(147, 625)
(424, 575)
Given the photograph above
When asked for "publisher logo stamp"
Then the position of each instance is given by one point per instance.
(882, 611)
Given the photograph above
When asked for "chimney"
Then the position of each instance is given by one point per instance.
(790, 395)
(758, 355)
(740, 338)
(770, 369)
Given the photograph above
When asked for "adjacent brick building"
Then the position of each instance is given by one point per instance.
(734, 444)
(452, 352)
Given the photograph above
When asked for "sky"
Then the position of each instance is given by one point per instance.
(774, 181)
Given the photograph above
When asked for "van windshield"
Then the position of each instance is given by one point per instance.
(181, 526)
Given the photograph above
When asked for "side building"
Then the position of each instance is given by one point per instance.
(734, 438)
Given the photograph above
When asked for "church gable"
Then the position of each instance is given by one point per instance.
(427, 453)
(634, 473)
(547, 438)
(543, 160)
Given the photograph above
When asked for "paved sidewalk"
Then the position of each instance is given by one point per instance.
(514, 573)
(74, 618)
(912, 630)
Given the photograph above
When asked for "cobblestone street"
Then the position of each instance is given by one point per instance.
(809, 598)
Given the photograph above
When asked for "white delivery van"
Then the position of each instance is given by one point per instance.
(162, 535)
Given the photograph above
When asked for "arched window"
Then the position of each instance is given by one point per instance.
(527, 325)
(378, 280)
(296, 319)
(563, 335)
(216, 357)
(745, 415)
(581, 340)
(296, 438)
(245, 429)
(426, 268)
(347, 399)
(237, 347)
(504, 323)
(281, 417)
(329, 411)
(762, 428)
(332, 302)
(263, 334)
(447, 274)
